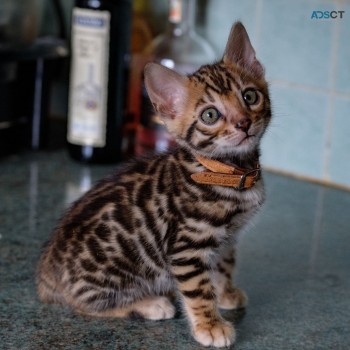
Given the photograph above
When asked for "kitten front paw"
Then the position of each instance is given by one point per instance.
(218, 334)
(158, 308)
(233, 298)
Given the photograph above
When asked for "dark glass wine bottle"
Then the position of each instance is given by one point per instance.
(98, 81)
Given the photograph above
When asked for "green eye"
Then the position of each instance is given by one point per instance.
(210, 116)
(250, 96)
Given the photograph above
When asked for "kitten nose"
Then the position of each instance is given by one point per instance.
(244, 124)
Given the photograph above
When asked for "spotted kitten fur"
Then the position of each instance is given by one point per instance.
(150, 230)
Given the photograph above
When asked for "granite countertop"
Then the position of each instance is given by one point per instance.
(294, 264)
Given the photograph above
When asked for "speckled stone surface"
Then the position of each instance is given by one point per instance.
(294, 264)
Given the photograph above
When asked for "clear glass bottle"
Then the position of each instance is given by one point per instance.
(179, 48)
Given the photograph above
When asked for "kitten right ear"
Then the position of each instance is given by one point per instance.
(239, 50)
(166, 89)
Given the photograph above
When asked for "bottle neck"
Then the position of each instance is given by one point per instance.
(181, 18)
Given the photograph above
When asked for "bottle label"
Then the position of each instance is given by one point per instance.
(175, 11)
(87, 115)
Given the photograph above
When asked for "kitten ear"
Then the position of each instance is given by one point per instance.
(166, 89)
(239, 50)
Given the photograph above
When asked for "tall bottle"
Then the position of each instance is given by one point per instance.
(141, 37)
(98, 81)
(179, 48)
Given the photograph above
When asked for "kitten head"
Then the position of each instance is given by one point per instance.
(221, 110)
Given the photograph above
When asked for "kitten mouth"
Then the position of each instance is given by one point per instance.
(245, 139)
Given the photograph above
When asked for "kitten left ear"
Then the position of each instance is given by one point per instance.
(239, 50)
(166, 89)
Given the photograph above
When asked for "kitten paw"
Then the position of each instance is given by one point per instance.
(219, 334)
(159, 308)
(231, 299)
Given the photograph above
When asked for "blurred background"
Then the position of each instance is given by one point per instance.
(307, 61)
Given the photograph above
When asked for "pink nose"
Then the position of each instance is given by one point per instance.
(244, 124)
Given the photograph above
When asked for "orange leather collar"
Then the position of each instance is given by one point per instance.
(222, 174)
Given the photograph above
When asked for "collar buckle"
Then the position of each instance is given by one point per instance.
(243, 177)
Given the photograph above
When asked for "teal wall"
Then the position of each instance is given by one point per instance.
(307, 64)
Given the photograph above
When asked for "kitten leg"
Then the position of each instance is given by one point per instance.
(229, 297)
(199, 299)
(156, 308)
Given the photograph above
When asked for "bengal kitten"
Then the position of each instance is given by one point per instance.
(151, 228)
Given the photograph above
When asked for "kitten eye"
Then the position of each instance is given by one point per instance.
(210, 116)
(250, 96)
